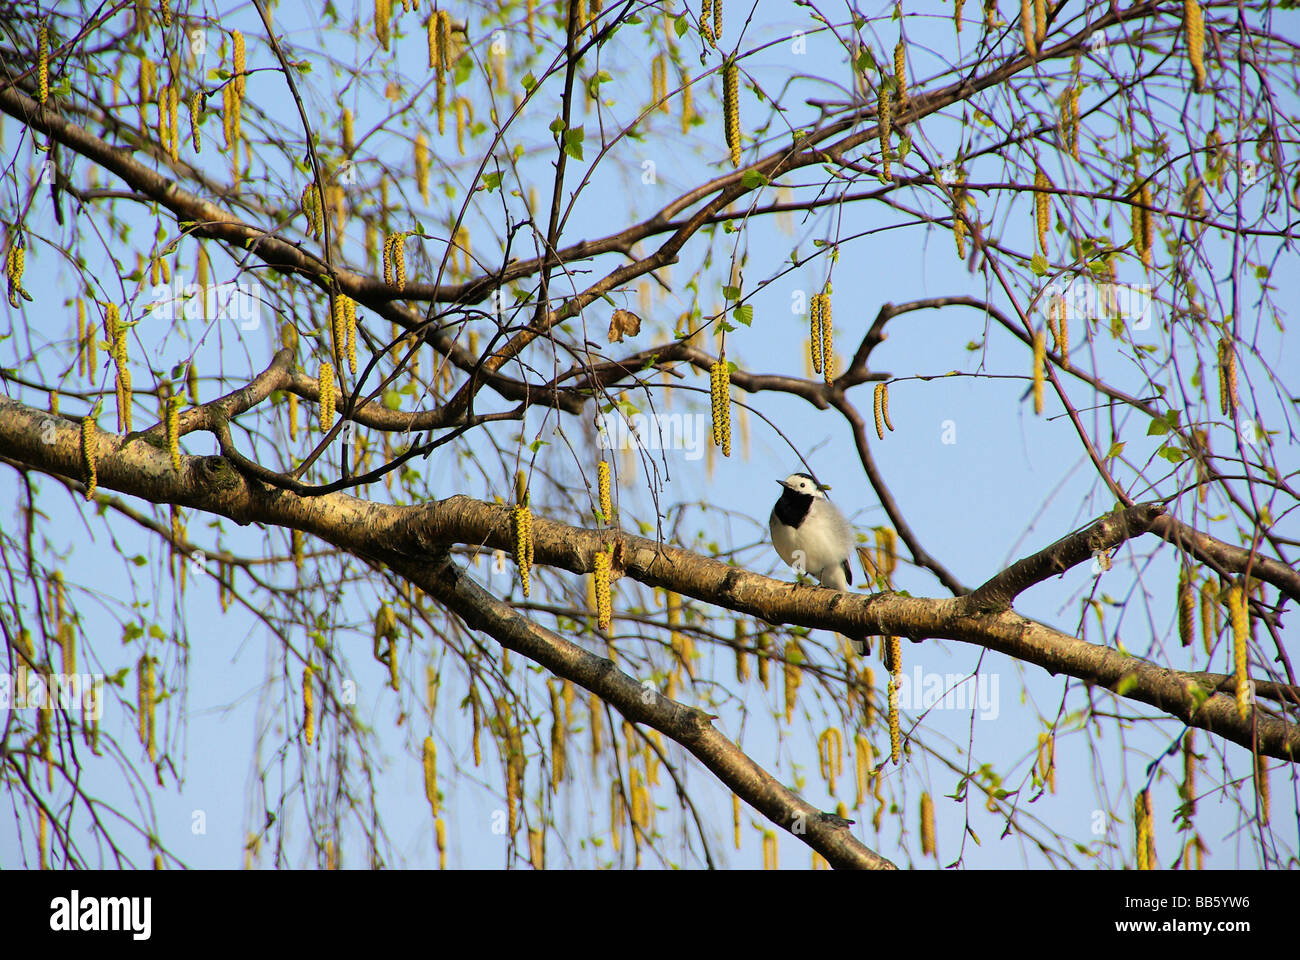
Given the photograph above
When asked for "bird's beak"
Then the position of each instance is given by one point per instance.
(783, 483)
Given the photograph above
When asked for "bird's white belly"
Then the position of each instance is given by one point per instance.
(821, 554)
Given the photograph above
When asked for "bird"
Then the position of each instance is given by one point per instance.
(812, 536)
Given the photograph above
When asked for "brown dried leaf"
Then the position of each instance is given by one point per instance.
(623, 322)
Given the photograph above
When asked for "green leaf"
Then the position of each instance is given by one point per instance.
(528, 81)
(752, 179)
(1116, 449)
(681, 25)
(744, 313)
(1172, 454)
(1039, 265)
(573, 143)
(1126, 684)
(731, 293)
(492, 181)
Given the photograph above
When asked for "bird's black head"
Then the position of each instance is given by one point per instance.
(797, 493)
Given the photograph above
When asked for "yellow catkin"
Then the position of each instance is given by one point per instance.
(956, 13)
(145, 80)
(85, 362)
(522, 524)
(523, 540)
(1142, 224)
(1209, 615)
(531, 19)
(89, 455)
(959, 221)
(463, 120)
(395, 248)
(14, 265)
(878, 404)
(350, 328)
(196, 118)
(440, 834)
(770, 860)
(326, 382)
(1227, 378)
(720, 394)
(173, 121)
(602, 484)
(884, 121)
(42, 830)
(688, 102)
(308, 707)
(1262, 788)
(313, 209)
(1040, 358)
(1144, 824)
(706, 22)
(1239, 613)
(536, 854)
(431, 774)
(828, 344)
(731, 108)
(293, 416)
(237, 46)
(830, 747)
(559, 732)
(174, 430)
(793, 676)
(1194, 23)
(927, 826)
(742, 656)
(422, 165)
(604, 603)
(900, 71)
(895, 723)
(1040, 20)
(145, 703)
(1189, 771)
(43, 63)
(349, 131)
(815, 332)
(1186, 608)
(1042, 208)
(717, 19)
(383, 22)
(1072, 121)
(1062, 330)
(1027, 28)
(735, 819)
(864, 759)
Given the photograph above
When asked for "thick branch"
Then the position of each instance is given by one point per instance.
(1103, 535)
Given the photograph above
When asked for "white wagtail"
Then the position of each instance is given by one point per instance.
(812, 536)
